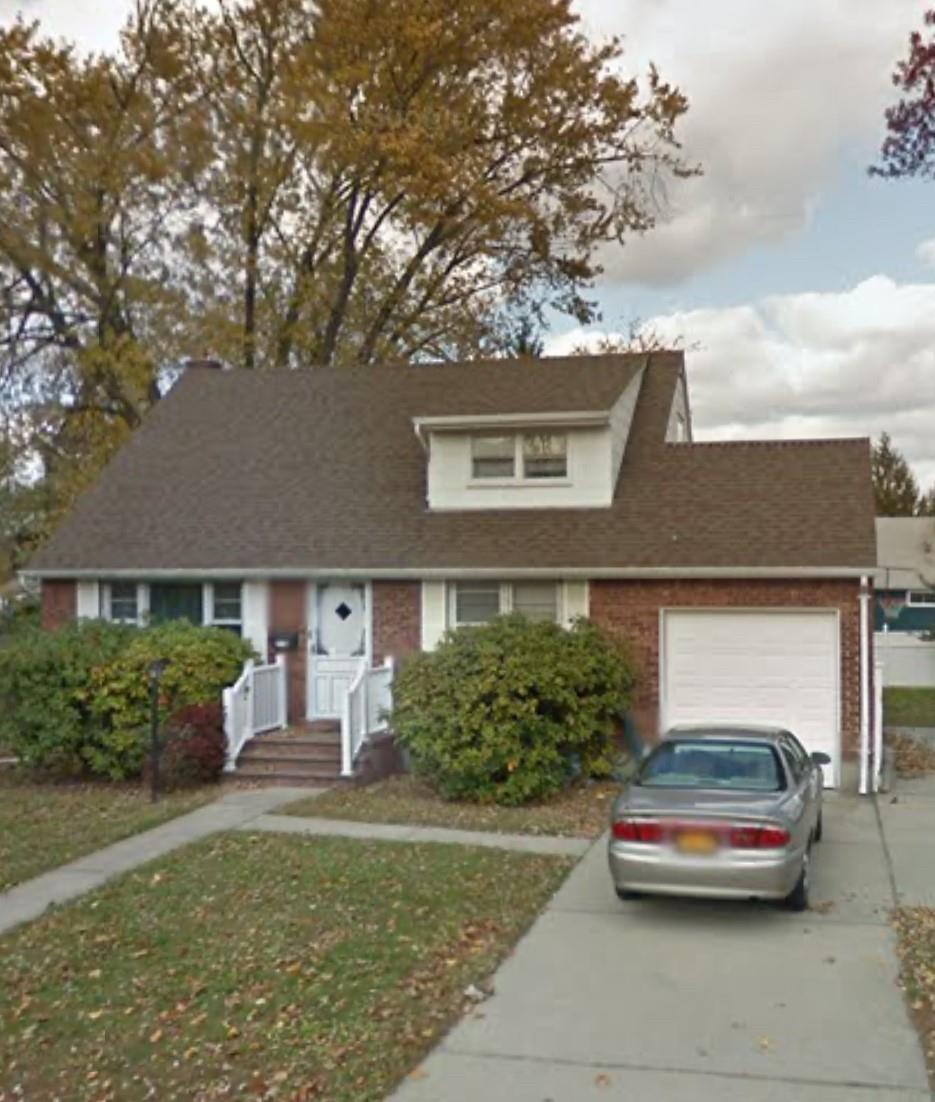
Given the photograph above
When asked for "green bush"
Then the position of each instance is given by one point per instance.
(77, 700)
(201, 661)
(45, 711)
(507, 713)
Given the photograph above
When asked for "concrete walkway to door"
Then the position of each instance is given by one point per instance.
(687, 1001)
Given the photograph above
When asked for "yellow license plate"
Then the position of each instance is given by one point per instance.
(697, 841)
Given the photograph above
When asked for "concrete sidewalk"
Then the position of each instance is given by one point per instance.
(688, 1001)
(390, 832)
(239, 808)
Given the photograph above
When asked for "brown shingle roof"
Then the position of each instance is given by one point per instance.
(322, 470)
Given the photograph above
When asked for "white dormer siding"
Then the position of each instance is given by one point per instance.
(679, 429)
(594, 443)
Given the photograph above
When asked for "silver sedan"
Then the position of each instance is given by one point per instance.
(720, 811)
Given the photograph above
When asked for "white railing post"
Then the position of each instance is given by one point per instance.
(877, 724)
(347, 754)
(282, 695)
(227, 701)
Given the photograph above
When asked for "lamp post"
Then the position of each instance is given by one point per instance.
(156, 670)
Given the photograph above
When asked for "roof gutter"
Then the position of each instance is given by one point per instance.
(661, 573)
(463, 422)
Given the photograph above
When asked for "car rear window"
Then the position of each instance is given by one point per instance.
(748, 766)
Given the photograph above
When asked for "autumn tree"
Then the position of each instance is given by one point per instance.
(895, 488)
(909, 146)
(302, 182)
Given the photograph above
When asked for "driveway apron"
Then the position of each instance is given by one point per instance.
(662, 999)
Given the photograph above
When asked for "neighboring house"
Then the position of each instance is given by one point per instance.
(350, 515)
(905, 599)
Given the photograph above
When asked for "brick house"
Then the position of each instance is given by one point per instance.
(346, 516)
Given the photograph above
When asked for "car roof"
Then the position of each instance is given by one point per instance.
(725, 731)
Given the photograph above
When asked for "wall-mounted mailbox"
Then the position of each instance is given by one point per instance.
(284, 640)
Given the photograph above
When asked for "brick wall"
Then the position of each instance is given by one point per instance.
(397, 613)
(59, 603)
(633, 608)
(288, 610)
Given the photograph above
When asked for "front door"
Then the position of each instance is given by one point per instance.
(338, 644)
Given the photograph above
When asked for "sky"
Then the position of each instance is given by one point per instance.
(802, 289)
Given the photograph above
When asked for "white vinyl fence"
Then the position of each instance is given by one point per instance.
(255, 703)
(907, 659)
(366, 706)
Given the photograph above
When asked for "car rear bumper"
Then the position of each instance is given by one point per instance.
(727, 874)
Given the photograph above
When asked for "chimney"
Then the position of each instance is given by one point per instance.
(205, 362)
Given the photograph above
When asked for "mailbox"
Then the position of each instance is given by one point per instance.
(284, 640)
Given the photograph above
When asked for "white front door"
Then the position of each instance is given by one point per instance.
(338, 644)
(755, 666)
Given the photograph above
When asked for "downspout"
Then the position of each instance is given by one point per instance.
(864, 601)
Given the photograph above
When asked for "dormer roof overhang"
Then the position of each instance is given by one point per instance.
(468, 422)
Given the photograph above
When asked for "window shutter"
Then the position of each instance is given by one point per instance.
(88, 601)
(433, 614)
(575, 601)
(255, 605)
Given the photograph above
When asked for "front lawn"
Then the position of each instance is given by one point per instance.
(46, 825)
(915, 927)
(580, 811)
(260, 966)
(908, 707)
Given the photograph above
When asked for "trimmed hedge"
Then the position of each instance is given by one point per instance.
(76, 700)
(509, 712)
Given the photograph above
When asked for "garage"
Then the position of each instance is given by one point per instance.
(755, 666)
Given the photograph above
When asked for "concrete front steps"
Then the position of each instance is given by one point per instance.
(302, 756)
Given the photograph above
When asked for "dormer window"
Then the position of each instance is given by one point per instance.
(532, 456)
(493, 456)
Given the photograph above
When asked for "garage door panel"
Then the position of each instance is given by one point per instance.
(754, 667)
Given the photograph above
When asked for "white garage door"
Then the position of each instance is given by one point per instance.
(754, 667)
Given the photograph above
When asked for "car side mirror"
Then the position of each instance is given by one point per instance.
(819, 757)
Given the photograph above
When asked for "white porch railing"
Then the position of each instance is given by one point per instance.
(256, 702)
(366, 706)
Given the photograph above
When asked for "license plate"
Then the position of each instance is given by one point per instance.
(697, 841)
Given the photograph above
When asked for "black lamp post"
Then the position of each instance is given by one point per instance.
(156, 670)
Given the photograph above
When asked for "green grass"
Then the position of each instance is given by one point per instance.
(580, 811)
(909, 707)
(259, 966)
(46, 825)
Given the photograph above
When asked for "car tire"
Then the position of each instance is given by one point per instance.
(625, 895)
(819, 828)
(797, 899)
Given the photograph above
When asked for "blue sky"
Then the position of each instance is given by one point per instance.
(799, 285)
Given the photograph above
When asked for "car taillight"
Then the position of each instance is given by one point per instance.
(637, 830)
(754, 837)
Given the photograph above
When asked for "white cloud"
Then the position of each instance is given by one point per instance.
(925, 252)
(853, 363)
(777, 93)
(93, 24)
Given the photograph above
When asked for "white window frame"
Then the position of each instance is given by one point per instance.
(211, 619)
(506, 600)
(107, 599)
(930, 603)
(208, 617)
(519, 477)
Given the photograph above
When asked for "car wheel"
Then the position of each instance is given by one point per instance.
(625, 894)
(797, 899)
(819, 828)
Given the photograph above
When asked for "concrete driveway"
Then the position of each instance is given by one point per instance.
(664, 1000)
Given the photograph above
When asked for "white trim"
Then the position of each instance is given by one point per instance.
(863, 601)
(302, 573)
(87, 600)
(571, 419)
(910, 603)
(823, 610)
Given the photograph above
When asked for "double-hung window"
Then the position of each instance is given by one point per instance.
(479, 602)
(121, 602)
(519, 457)
(227, 606)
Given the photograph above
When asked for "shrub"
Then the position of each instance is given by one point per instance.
(508, 712)
(46, 717)
(195, 748)
(201, 661)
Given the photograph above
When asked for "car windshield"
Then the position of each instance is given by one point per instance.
(720, 763)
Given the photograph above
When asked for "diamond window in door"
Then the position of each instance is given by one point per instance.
(341, 626)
